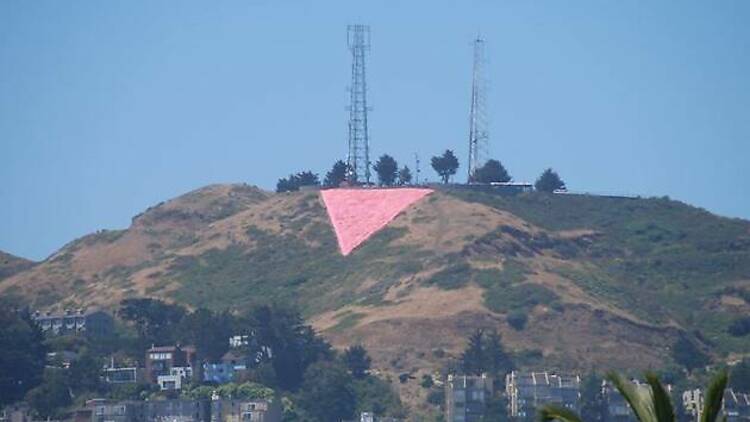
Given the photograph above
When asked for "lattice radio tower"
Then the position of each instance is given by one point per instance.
(478, 125)
(358, 39)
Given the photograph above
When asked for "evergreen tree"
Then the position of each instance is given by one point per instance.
(387, 170)
(404, 176)
(445, 165)
(496, 360)
(473, 357)
(549, 182)
(295, 181)
(357, 360)
(491, 171)
(688, 355)
(22, 355)
(337, 175)
(327, 393)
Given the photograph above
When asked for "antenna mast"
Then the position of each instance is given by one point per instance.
(358, 40)
(478, 133)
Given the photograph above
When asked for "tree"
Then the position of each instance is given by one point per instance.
(445, 165)
(281, 338)
(51, 396)
(549, 182)
(654, 407)
(473, 357)
(295, 181)
(404, 176)
(517, 319)
(337, 175)
(497, 360)
(357, 360)
(155, 321)
(685, 353)
(740, 327)
(208, 332)
(327, 393)
(387, 170)
(22, 355)
(85, 373)
(491, 171)
(377, 396)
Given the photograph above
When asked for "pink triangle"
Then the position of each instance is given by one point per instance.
(357, 214)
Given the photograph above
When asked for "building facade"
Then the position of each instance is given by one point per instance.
(466, 397)
(527, 391)
(95, 322)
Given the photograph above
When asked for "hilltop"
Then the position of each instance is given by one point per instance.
(571, 280)
(11, 264)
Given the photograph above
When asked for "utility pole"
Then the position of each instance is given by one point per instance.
(478, 133)
(358, 160)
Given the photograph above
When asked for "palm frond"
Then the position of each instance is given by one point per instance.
(551, 412)
(714, 396)
(640, 404)
(662, 403)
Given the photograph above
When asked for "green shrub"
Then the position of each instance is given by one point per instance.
(520, 297)
(453, 277)
(517, 319)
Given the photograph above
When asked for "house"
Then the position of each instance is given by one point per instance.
(18, 412)
(229, 369)
(123, 411)
(177, 411)
(125, 375)
(160, 360)
(246, 410)
(466, 396)
(528, 391)
(178, 375)
(736, 406)
(94, 322)
(150, 411)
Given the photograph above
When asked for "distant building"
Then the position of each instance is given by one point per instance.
(178, 376)
(151, 411)
(527, 391)
(95, 322)
(160, 361)
(736, 406)
(466, 397)
(18, 412)
(245, 410)
(125, 375)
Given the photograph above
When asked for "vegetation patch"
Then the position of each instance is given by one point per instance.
(520, 297)
(453, 277)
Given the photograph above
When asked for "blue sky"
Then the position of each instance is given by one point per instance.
(109, 107)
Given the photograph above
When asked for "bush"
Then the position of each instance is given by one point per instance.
(740, 327)
(517, 320)
(453, 277)
(521, 297)
(436, 397)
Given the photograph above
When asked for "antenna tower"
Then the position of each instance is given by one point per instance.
(478, 133)
(358, 39)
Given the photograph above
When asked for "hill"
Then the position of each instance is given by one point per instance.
(11, 264)
(572, 281)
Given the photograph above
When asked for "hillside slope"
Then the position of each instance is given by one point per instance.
(11, 264)
(599, 280)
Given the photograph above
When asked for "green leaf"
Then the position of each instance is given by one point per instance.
(714, 396)
(551, 412)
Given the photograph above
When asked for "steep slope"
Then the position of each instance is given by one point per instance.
(596, 280)
(11, 264)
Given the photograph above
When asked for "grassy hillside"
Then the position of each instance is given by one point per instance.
(10, 264)
(570, 282)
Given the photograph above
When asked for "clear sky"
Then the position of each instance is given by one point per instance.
(109, 107)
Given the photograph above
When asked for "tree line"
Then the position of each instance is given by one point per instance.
(288, 358)
(389, 173)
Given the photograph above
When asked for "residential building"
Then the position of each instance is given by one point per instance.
(94, 322)
(177, 411)
(736, 406)
(125, 375)
(151, 411)
(18, 412)
(466, 397)
(246, 410)
(692, 401)
(160, 360)
(123, 411)
(178, 375)
(527, 391)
